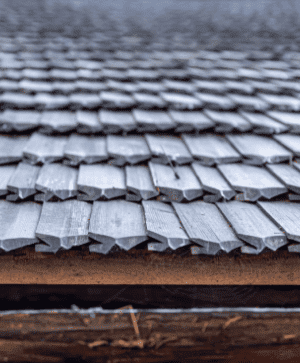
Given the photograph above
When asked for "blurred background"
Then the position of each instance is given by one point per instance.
(216, 23)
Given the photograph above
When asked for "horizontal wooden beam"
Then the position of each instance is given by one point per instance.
(156, 336)
(148, 268)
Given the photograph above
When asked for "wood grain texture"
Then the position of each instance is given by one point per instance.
(263, 124)
(186, 336)
(290, 141)
(187, 187)
(285, 215)
(18, 224)
(63, 225)
(212, 181)
(152, 120)
(254, 182)
(20, 120)
(85, 149)
(165, 149)
(129, 149)
(289, 119)
(59, 121)
(252, 226)
(206, 226)
(139, 182)
(113, 122)
(44, 149)
(189, 121)
(163, 225)
(97, 181)
(57, 180)
(117, 222)
(210, 149)
(87, 122)
(11, 148)
(228, 121)
(288, 175)
(22, 181)
(259, 150)
(5, 174)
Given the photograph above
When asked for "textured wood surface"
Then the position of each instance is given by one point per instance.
(163, 225)
(129, 335)
(85, 149)
(23, 180)
(212, 181)
(52, 121)
(216, 102)
(153, 120)
(288, 175)
(206, 226)
(117, 222)
(98, 181)
(63, 225)
(21, 120)
(189, 121)
(186, 187)
(6, 171)
(263, 124)
(259, 150)
(11, 148)
(210, 149)
(284, 215)
(130, 149)
(165, 149)
(289, 119)
(113, 122)
(18, 224)
(57, 180)
(253, 181)
(139, 182)
(229, 121)
(252, 226)
(44, 149)
(87, 122)
(290, 141)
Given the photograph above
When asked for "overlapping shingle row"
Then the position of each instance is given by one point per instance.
(202, 227)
